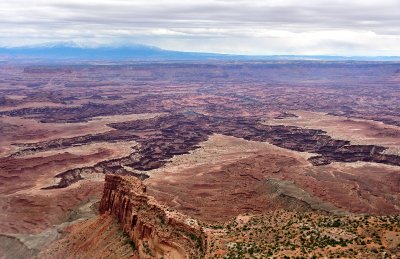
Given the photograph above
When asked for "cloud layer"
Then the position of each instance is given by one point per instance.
(351, 27)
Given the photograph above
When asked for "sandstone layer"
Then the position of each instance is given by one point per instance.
(156, 231)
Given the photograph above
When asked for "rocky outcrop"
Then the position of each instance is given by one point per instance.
(158, 232)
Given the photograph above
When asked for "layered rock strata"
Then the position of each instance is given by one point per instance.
(161, 138)
(157, 232)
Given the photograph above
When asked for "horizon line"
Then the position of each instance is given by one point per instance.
(77, 45)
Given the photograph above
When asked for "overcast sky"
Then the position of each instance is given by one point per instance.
(338, 27)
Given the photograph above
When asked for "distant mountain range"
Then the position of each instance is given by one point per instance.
(143, 52)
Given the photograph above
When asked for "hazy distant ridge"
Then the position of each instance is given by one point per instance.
(143, 52)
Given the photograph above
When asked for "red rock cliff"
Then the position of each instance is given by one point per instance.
(156, 231)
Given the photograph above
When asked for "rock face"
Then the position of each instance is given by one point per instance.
(156, 231)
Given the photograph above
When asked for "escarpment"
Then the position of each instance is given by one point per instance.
(161, 138)
(156, 231)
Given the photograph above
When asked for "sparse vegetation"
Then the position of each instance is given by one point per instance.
(303, 235)
(146, 248)
(129, 241)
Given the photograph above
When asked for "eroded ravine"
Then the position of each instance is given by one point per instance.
(163, 137)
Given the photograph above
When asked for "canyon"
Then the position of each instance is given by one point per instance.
(203, 159)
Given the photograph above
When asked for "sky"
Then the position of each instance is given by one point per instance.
(267, 27)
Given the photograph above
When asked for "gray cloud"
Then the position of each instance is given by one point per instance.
(370, 27)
